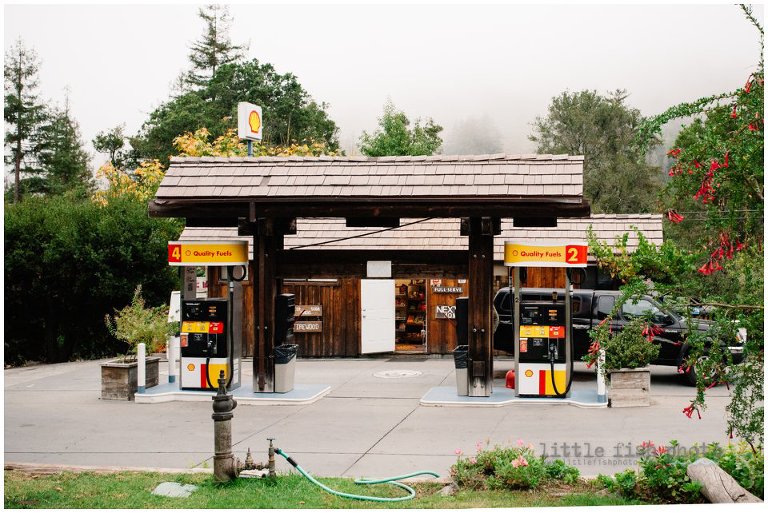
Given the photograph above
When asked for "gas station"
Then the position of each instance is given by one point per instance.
(262, 197)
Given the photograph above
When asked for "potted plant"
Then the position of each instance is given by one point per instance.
(628, 355)
(134, 324)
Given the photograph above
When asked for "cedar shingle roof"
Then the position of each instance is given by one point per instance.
(524, 176)
(443, 234)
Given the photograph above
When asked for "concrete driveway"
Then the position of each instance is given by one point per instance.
(366, 425)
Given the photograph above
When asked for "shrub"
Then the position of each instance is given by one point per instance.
(663, 474)
(137, 324)
(68, 262)
(511, 468)
(561, 471)
(630, 348)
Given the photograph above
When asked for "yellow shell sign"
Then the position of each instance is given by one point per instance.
(254, 121)
(545, 254)
(208, 253)
(250, 121)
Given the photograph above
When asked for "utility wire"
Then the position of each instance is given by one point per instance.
(361, 235)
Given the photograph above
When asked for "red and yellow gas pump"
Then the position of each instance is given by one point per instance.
(542, 319)
(211, 328)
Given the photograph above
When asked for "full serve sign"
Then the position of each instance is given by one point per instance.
(208, 253)
(545, 254)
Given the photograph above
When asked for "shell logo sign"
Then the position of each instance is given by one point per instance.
(249, 121)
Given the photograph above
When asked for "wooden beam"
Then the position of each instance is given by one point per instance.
(502, 207)
(480, 329)
(266, 248)
(332, 263)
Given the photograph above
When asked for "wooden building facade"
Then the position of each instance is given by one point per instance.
(339, 298)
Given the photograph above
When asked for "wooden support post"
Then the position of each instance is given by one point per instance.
(480, 329)
(268, 239)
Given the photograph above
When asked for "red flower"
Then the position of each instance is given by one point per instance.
(726, 159)
(740, 246)
(752, 127)
(733, 112)
(706, 269)
(661, 450)
(688, 410)
(696, 164)
(674, 152)
(674, 217)
(748, 85)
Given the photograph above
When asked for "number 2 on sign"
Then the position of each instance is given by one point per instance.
(174, 253)
(573, 256)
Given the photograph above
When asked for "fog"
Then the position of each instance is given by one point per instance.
(482, 72)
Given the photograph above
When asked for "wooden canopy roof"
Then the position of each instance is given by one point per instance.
(221, 190)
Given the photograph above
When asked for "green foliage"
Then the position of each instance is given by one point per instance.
(290, 114)
(23, 112)
(395, 137)
(63, 162)
(131, 490)
(214, 48)
(601, 128)
(509, 468)
(629, 348)
(665, 478)
(663, 474)
(561, 471)
(68, 263)
(138, 324)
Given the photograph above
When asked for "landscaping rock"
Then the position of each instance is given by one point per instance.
(168, 489)
(449, 490)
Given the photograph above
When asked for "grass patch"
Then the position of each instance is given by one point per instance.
(133, 490)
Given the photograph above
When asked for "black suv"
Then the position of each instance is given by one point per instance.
(590, 307)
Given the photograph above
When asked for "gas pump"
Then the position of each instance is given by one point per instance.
(210, 335)
(209, 341)
(543, 324)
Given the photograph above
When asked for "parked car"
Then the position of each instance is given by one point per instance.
(590, 307)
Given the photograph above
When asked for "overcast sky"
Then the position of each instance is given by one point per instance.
(500, 64)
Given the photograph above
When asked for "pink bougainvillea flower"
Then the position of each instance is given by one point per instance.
(458, 452)
(520, 442)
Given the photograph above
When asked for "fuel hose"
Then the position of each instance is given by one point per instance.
(390, 480)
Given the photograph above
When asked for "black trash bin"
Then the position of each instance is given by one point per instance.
(461, 362)
(285, 367)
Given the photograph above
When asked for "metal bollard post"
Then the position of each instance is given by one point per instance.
(170, 353)
(601, 375)
(141, 377)
(224, 466)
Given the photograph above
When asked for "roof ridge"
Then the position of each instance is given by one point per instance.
(362, 159)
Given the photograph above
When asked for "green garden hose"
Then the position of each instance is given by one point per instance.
(391, 480)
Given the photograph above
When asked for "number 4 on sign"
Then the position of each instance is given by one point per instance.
(174, 252)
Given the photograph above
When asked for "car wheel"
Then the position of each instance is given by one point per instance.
(691, 375)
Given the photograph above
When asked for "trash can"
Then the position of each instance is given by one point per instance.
(285, 367)
(461, 361)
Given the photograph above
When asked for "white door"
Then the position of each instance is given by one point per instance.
(378, 328)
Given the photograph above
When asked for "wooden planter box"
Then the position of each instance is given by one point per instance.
(119, 380)
(630, 387)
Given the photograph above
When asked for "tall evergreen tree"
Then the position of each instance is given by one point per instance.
(214, 48)
(64, 164)
(23, 113)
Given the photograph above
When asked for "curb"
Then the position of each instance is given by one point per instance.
(51, 468)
